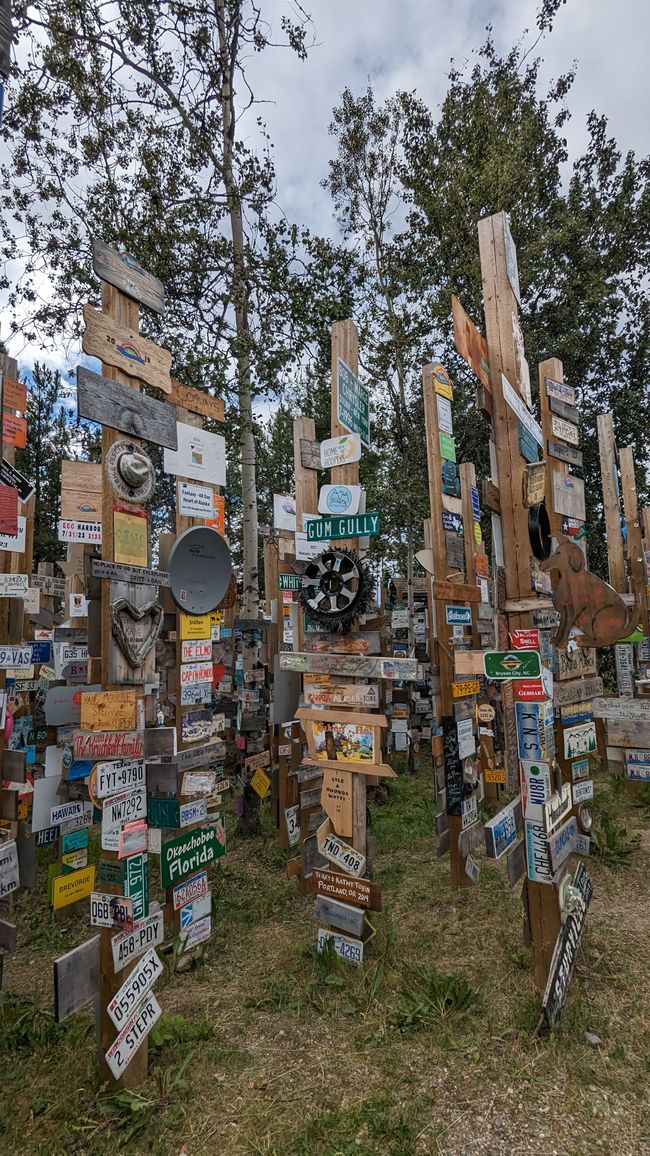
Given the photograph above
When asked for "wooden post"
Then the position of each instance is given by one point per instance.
(611, 502)
(634, 542)
(440, 632)
(125, 312)
(500, 305)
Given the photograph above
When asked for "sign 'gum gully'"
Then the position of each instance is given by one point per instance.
(158, 708)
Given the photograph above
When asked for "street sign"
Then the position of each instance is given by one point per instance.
(188, 852)
(353, 407)
(352, 526)
(498, 664)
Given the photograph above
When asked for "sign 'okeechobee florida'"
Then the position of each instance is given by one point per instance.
(185, 854)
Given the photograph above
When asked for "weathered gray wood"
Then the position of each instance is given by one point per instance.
(127, 275)
(310, 798)
(159, 741)
(568, 412)
(76, 979)
(339, 915)
(123, 572)
(8, 936)
(309, 454)
(14, 766)
(516, 863)
(564, 452)
(162, 778)
(627, 733)
(137, 630)
(124, 409)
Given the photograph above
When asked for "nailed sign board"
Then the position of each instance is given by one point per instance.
(71, 888)
(566, 950)
(191, 890)
(76, 979)
(568, 495)
(572, 692)
(580, 740)
(511, 664)
(126, 349)
(525, 416)
(339, 499)
(123, 572)
(501, 831)
(15, 543)
(361, 892)
(15, 657)
(108, 402)
(196, 400)
(75, 531)
(350, 950)
(9, 872)
(566, 431)
(357, 665)
(118, 268)
(112, 911)
(344, 856)
(135, 986)
(14, 585)
(563, 841)
(353, 405)
(111, 778)
(108, 745)
(9, 476)
(340, 915)
(637, 709)
(134, 1032)
(127, 807)
(131, 944)
(340, 451)
(559, 390)
(194, 501)
(112, 710)
(187, 853)
(200, 456)
(354, 526)
(564, 452)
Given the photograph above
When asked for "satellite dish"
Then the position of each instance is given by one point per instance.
(200, 568)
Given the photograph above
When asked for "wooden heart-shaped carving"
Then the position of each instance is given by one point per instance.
(124, 616)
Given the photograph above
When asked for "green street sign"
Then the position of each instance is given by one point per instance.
(136, 884)
(190, 851)
(353, 408)
(163, 813)
(289, 581)
(512, 664)
(347, 526)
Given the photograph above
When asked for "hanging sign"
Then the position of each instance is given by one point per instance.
(354, 526)
(340, 451)
(565, 430)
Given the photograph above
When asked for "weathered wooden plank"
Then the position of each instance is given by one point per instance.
(568, 412)
(196, 400)
(628, 733)
(309, 454)
(126, 349)
(118, 268)
(76, 979)
(564, 452)
(109, 403)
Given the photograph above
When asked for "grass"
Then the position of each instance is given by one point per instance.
(267, 1047)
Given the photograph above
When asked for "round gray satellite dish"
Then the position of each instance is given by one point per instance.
(200, 568)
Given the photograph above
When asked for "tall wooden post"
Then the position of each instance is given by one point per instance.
(611, 502)
(123, 311)
(501, 309)
(633, 525)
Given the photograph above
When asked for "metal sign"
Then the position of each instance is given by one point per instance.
(112, 911)
(134, 988)
(350, 950)
(512, 664)
(131, 944)
(123, 572)
(190, 890)
(134, 1032)
(501, 831)
(566, 947)
(340, 499)
(563, 841)
(187, 853)
(354, 526)
(200, 569)
(111, 778)
(353, 406)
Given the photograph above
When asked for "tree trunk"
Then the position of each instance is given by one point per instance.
(228, 55)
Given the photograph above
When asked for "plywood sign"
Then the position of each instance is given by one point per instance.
(108, 710)
(120, 269)
(81, 491)
(126, 349)
(336, 799)
(568, 495)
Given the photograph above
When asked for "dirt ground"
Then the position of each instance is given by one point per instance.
(430, 1047)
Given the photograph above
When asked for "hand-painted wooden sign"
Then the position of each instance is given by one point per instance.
(108, 710)
(327, 694)
(585, 601)
(118, 268)
(559, 390)
(336, 799)
(81, 491)
(196, 400)
(576, 664)
(576, 692)
(126, 349)
(356, 665)
(564, 452)
(559, 407)
(555, 808)
(108, 745)
(455, 592)
(139, 575)
(352, 526)
(108, 402)
(9, 510)
(566, 431)
(580, 740)
(623, 708)
(361, 892)
(367, 643)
